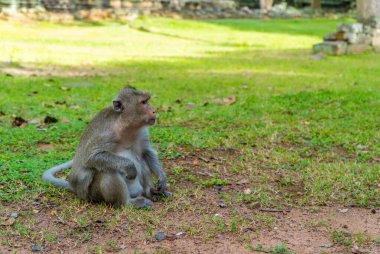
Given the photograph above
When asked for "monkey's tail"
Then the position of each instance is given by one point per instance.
(49, 175)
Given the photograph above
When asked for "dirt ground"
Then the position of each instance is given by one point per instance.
(301, 230)
(292, 229)
(197, 220)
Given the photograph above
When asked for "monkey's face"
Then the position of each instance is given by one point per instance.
(145, 111)
(135, 109)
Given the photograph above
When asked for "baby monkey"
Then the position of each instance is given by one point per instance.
(114, 161)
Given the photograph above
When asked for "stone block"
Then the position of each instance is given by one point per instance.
(338, 36)
(367, 30)
(331, 48)
(356, 38)
(246, 10)
(375, 41)
(350, 28)
(375, 22)
(357, 48)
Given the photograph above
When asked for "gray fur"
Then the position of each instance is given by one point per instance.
(49, 175)
(114, 161)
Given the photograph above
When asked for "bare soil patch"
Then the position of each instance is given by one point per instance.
(295, 229)
(199, 219)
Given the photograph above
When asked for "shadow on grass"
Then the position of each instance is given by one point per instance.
(309, 27)
(187, 38)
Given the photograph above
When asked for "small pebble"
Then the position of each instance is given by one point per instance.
(373, 211)
(14, 215)
(179, 234)
(36, 248)
(160, 236)
(222, 205)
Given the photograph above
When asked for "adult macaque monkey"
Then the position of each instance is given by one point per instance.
(114, 161)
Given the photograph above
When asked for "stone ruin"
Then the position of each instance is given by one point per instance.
(120, 9)
(351, 39)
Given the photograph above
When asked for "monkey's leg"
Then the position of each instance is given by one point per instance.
(141, 202)
(112, 188)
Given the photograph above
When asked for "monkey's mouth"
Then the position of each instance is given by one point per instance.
(151, 121)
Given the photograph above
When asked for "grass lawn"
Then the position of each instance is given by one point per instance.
(297, 130)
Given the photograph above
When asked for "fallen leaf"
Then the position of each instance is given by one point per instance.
(356, 250)
(50, 119)
(195, 162)
(229, 100)
(343, 210)
(45, 146)
(9, 222)
(204, 159)
(242, 182)
(247, 191)
(19, 122)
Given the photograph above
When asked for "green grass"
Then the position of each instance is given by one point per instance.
(316, 120)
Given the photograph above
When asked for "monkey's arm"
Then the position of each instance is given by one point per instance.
(105, 161)
(154, 164)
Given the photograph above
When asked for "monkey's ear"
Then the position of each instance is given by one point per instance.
(117, 106)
